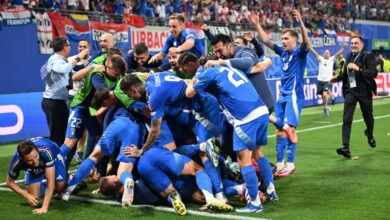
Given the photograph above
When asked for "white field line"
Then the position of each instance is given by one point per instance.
(323, 122)
(159, 208)
(332, 125)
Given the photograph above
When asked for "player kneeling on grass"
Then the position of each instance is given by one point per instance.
(40, 159)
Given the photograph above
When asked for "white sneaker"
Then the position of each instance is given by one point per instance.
(288, 169)
(279, 166)
(65, 196)
(128, 193)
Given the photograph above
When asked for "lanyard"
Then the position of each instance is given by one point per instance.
(354, 61)
(356, 58)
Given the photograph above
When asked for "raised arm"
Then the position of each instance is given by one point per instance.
(305, 37)
(207, 32)
(341, 51)
(315, 53)
(264, 37)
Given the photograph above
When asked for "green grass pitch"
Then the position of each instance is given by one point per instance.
(324, 186)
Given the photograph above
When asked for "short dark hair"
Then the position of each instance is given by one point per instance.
(243, 39)
(209, 56)
(114, 51)
(60, 43)
(118, 62)
(187, 57)
(221, 38)
(358, 37)
(25, 147)
(130, 81)
(140, 48)
(108, 189)
(178, 17)
(292, 32)
(100, 96)
(86, 40)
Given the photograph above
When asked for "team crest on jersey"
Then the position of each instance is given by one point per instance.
(286, 62)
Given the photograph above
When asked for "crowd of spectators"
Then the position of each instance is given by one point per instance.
(335, 15)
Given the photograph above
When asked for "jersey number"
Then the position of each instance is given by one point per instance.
(230, 73)
(172, 79)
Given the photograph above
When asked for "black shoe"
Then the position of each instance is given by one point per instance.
(344, 152)
(371, 140)
(333, 101)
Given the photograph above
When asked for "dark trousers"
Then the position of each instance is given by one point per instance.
(57, 114)
(350, 102)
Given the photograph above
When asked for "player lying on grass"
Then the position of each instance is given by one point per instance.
(41, 160)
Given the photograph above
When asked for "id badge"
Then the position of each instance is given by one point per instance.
(352, 79)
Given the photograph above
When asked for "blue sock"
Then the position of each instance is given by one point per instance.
(265, 170)
(250, 178)
(124, 176)
(230, 191)
(203, 181)
(188, 150)
(279, 123)
(42, 191)
(85, 167)
(65, 150)
(214, 174)
(281, 144)
(69, 158)
(229, 187)
(291, 150)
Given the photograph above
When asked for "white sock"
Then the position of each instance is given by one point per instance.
(257, 201)
(270, 188)
(208, 196)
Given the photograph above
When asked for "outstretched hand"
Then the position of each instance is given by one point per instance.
(39, 211)
(255, 19)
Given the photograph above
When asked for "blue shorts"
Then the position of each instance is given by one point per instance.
(158, 166)
(79, 118)
(120, 133)
(251, 134)
(61, 174)
(288, 108)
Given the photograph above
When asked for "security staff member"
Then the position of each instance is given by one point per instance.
(358, 86)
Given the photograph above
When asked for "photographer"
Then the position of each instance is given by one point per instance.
(358, 86)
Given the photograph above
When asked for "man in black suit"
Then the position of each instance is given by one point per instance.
(358, 86)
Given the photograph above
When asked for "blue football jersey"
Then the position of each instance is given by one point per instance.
(47, 151)
(232, 89)
(294, 64)
(165, 90)
(185, 34)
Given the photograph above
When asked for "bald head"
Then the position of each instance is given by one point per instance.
(326, 54)
(107, 41)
